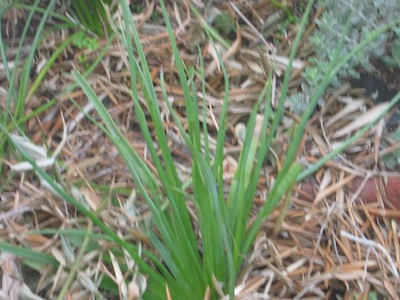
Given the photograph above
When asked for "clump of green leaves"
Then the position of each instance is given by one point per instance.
(91, 14)
(225, 23)
(365, 16)
(83, 41)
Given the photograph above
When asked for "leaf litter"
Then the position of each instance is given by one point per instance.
(333, 242)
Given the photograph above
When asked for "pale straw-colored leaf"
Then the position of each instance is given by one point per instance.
(119, 276)
(362, 120)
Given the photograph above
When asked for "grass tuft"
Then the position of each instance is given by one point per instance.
(194, 244)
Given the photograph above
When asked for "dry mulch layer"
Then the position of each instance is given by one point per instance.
(339, 238)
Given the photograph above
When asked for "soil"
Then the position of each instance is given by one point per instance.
(378, 91)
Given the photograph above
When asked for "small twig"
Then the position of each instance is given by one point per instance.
(373, 244)
(243, 17)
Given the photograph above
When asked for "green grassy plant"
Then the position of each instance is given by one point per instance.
(183, 266)
(16, 97)
(91, 15)
(222, 221)
(14, 115)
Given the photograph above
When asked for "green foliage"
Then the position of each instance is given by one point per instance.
(225, 23)
(29, 255)
(91, 14)
(17, 96)
(365, 16)
(82, 41)
(392, 160)
(225, 238)
(181, 262)
(373, 295)
(290, 16)
(351, 21)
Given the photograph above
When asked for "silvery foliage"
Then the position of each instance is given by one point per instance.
(366, 16)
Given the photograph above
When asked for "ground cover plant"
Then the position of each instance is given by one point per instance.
(168, 148)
